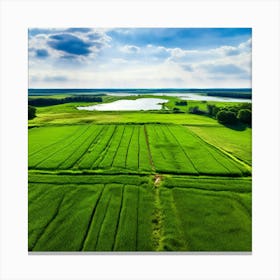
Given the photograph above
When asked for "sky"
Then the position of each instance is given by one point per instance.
(139, 57)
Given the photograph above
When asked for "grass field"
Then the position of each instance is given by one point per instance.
(137, 181)
(131, 213)
(128, 148)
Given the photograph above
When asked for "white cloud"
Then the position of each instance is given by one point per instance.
(130, 49)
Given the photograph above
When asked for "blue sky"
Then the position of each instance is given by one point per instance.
(139, 57)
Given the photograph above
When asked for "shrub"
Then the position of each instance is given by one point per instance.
(245, 116)
(31, 112)
(226, 117)
(181, 103)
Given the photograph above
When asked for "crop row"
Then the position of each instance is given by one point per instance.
(92, 213)
(98, 217)
(175, 149)
(130, 148)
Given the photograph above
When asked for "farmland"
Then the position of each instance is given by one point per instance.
(128, 148)
(137, 181)
(127, 213)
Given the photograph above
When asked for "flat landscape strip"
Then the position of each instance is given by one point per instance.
(80, 150)
(90, 220)
(143, 152)
(36, 158)
(63, 233)
(55, 135)
(112, 147)
(149, 149)
(118, 218)
(61, 180)
(103, 213)
(106, 238)
(217, 223)
(101, 150)
(132, 150)
(126, 155)
(39, 223)
(145, 216)
(184, 151)
(118, 146)
(239, 165)
(92, 153)
(160, 150)
(127, 230)
(58, 149)
(58, 158)
(237, 143)
(138, 150)
(93, 233)
(214, 184)
(120, 158)
(203, 159)
(172, 234)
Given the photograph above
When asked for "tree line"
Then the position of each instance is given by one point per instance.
(227, 115)
(56, 101)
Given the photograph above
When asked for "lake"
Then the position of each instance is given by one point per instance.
(128, 105)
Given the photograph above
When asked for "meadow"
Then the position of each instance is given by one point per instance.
(137, 181)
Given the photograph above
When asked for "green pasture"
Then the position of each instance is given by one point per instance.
(137, 181)
(235, 142)
(130, 213)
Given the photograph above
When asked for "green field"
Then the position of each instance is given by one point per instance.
(137, 181)
(128, 213)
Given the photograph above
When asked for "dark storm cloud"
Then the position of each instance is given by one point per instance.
(69, 44)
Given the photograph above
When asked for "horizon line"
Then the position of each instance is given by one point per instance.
(151, 88)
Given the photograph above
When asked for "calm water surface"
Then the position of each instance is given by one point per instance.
(128, 105)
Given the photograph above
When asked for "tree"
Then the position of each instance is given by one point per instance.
(176, 110)
(245, 116)
(226, 117)
(31, 112)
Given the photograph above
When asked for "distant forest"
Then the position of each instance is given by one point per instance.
(55, 101)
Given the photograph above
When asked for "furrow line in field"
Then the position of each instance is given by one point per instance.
(185, 153)
(91, 219)
(118, 220)
(137, 218)
(138, 149)
(55, 143)
(85, 140)
(67, 145)
(209, 151)
(157, 218)
(224, 153)
(50, 221)
(149, 148)
(116, 151)
(86, 150)
(109, 144)
(178, 224)
(103, 218)
(128, 146)
(103, 153)
(158, 137)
